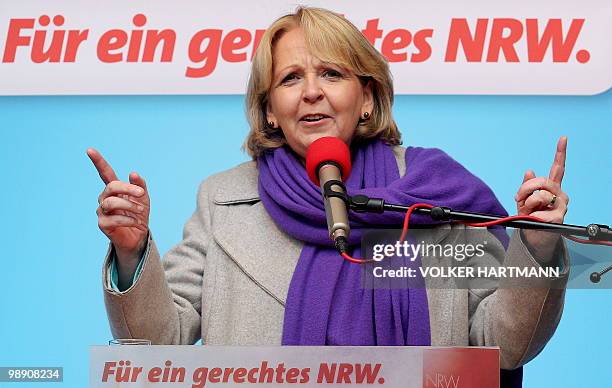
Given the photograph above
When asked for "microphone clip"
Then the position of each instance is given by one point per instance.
(329, 192)
(364, 204)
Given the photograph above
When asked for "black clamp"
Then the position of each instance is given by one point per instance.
(599, 232)
(362, 203)
(440, 213)
(328, 192)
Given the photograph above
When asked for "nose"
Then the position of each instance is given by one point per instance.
(312, 89)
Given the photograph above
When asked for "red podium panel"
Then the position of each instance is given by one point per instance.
(460, 367)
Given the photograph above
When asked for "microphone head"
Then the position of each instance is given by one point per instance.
(327, 149)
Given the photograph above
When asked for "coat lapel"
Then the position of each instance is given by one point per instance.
(250, 238)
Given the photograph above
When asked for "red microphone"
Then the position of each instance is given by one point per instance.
(328, 163)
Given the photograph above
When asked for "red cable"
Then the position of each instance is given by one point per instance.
(531, 218)
(354, 260)
(407, 218)
(509, 218)
(347, 257)
(585, 241)
(404, 231)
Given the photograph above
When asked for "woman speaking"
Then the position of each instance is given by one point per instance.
(256, 266)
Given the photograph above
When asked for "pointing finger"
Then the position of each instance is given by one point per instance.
(558, 167)
(105, 171)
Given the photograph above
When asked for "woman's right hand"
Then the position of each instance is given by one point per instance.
(123, 211)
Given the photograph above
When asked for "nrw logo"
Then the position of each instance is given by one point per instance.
(441, 380)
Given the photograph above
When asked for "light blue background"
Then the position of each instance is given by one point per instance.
(51, 299)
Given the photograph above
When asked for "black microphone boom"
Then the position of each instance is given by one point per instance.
(601, 234)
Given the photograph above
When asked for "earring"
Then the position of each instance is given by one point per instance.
(364, 117)
(271, 124)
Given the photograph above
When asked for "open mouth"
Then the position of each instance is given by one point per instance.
(313, 118)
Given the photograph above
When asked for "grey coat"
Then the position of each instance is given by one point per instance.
(227, 280)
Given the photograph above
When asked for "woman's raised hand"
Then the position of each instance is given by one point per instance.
(543, 197)
(123, 211)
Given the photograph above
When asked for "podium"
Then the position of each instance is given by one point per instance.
(303, 366)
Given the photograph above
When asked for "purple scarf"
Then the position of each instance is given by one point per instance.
(326, 304)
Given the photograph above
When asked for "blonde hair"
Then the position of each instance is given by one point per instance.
(333, 39)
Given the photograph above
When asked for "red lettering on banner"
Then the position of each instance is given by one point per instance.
(226, 374)
(506, 43)
(235, 40)
(258, 36)
(214, 375)
(342, 373)
(472, 45)
(305, 375)
(168, 374)
(109, 41)
(173, 374)
(505, 33)
(205, 46)
(365, 373)
(199, 377)
(208, 55)
(251, 376)
(75, 38)
(562, 48)
(292, 375)
(280, 375)
(54, 52)
(280, 371)
(15, 39)
(154, 374)
(109, 369)
(38, 53)
(152, 40)
(481, 40)
(420, 42)
(266, 374)
(239, 374)
(396, 40)
(138, 20)
(372, 32)
(395, 43)
(124, 373)
(116, 40)
(327, 373)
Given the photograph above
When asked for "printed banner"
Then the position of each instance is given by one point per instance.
(308, 366)
(206, 47)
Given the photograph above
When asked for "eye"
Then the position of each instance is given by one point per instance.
(332, 73)
(288, 78)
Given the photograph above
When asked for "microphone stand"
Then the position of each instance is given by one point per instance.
(363, 203)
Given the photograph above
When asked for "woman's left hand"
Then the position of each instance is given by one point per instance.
(543, 198)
